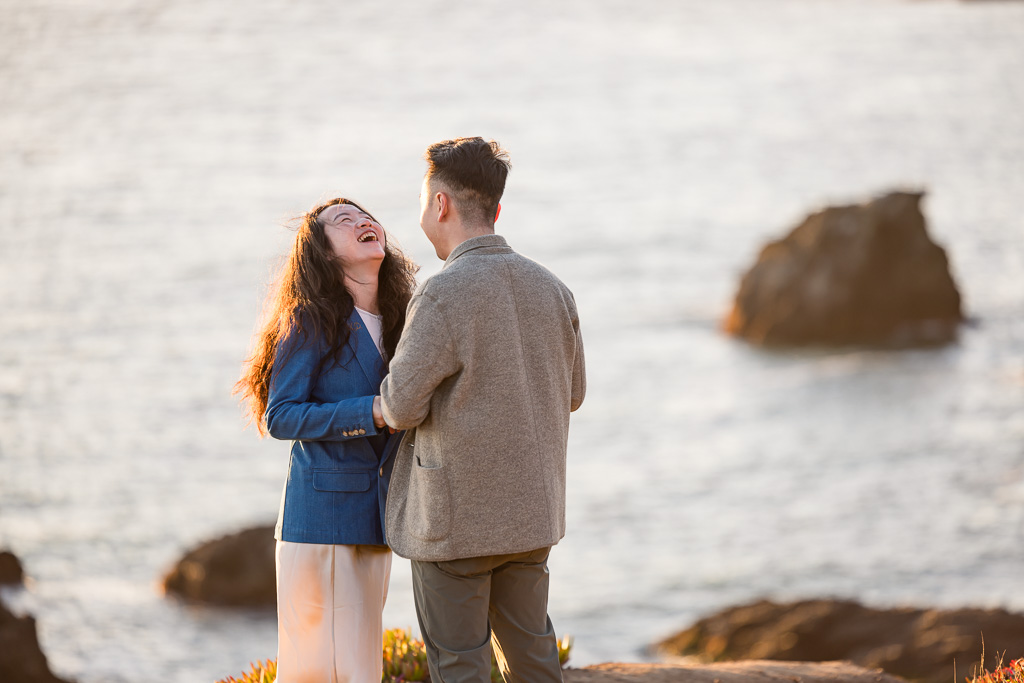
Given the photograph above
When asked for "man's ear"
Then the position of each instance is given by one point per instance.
(497, 213)
(443, 205)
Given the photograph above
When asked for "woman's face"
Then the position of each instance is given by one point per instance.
(355, 237)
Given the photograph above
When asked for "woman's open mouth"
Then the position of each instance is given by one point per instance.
(368, 236)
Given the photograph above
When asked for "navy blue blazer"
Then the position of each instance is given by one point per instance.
(340, 464)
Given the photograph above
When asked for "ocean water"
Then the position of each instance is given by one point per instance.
(152, 152)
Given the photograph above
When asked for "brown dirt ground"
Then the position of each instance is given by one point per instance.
(730, 672)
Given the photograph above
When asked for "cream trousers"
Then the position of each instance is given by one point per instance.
(329, 603)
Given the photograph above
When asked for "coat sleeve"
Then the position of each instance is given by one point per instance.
(290, 412)
(579, 368)
(425, 357)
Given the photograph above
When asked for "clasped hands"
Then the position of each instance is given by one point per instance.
(378, 416)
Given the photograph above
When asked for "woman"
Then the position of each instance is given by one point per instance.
(334, 320)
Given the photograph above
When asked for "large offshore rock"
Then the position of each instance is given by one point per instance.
(865, 274)
(237, 569)
(914, 643)
(21, 658)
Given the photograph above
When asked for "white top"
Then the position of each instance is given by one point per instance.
(374, 327)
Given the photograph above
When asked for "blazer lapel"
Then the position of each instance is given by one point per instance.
(365, 351)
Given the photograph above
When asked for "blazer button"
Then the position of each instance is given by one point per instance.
(361, 431)
(382, 471)
(345, 434)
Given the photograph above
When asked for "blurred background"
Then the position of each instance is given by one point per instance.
(153, 151)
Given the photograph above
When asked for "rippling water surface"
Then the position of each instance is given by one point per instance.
(151, 152)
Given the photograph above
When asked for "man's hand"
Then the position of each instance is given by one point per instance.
(378, 416)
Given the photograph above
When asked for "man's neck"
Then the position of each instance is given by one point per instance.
(464, 232)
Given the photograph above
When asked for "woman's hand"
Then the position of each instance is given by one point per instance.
(378, 414)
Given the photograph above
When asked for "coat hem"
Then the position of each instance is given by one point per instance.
(418, 553)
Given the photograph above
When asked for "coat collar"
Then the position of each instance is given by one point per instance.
(365, 351)
(478, 242)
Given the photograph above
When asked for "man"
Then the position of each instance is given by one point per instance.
(489, 366)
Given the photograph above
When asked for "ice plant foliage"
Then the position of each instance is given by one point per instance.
(405, 660)
(261, 672)
(1014, 673)
(564, 645)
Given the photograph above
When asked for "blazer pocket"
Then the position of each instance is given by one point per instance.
(339, 480)
(429, 512)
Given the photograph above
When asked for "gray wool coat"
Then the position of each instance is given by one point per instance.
(489, 367)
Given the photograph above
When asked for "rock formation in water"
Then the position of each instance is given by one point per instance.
(866, 274)
(237, 570)
(914, 643)
(21, 659)
(11, 572)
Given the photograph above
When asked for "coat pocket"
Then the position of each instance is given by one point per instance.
(340, 480)
(429, 512)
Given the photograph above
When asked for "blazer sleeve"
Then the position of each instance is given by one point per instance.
(425, 357)
(290, 412)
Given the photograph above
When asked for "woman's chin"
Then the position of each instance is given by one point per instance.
(364, 256)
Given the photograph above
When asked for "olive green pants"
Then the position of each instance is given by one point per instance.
(461, 603)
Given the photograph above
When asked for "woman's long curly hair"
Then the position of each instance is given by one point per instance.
(310, 291)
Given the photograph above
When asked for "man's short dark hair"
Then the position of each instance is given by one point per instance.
(473, 171)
